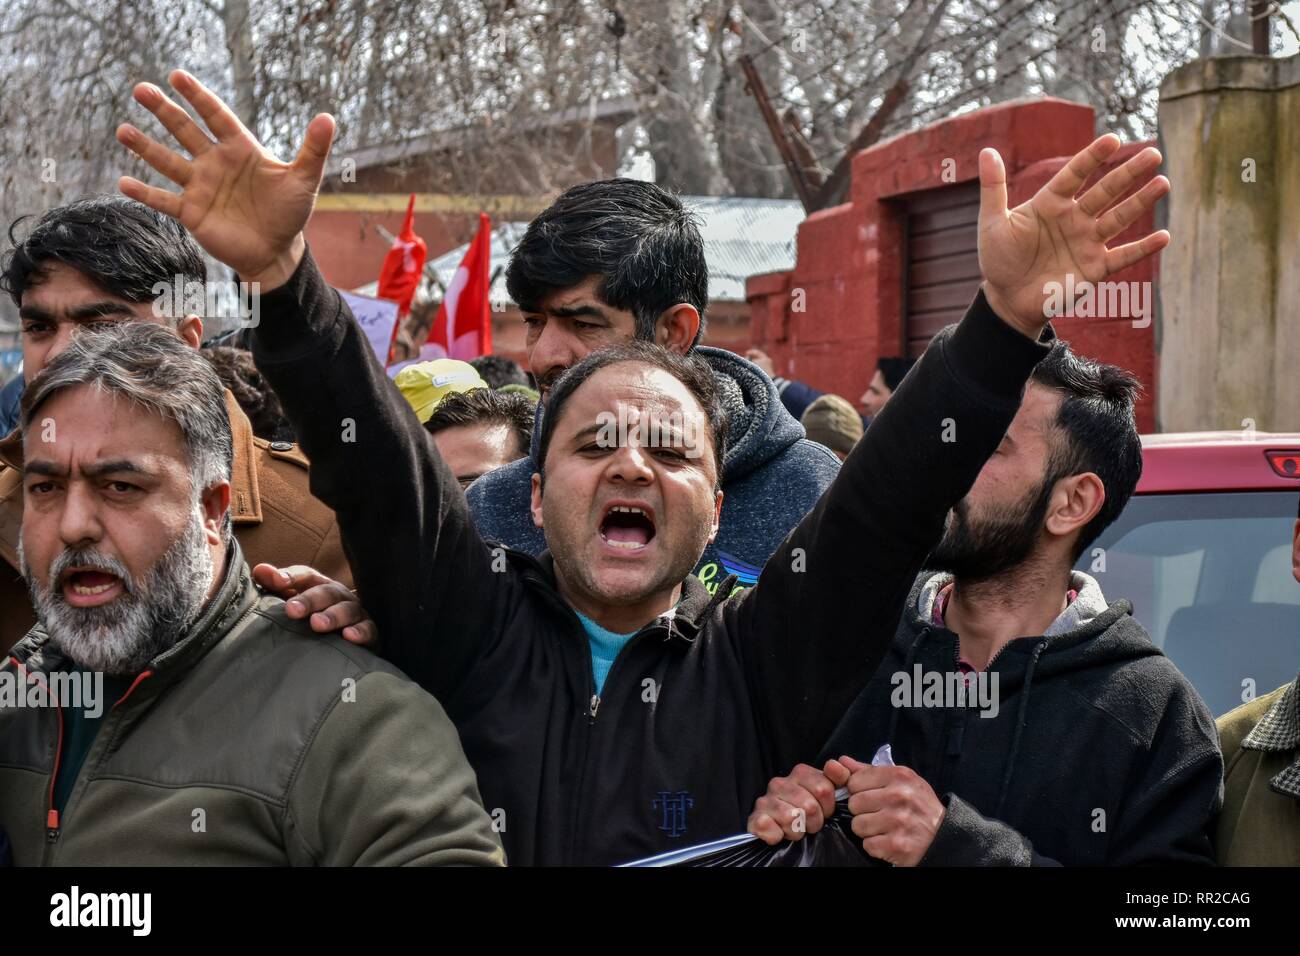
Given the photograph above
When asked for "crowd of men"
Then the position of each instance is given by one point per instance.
(450, 623)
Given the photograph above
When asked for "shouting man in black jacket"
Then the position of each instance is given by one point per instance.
(706, 696)
(1080, 744)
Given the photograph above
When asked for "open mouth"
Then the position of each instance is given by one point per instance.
(85, 587)
(627, 527)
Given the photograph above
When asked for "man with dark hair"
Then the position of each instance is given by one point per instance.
(621, 245)
(299, 749)
(890, 371)
(481, 430)
(497, 370)
(798, 396)
(1260, 822)
(688, 370)
(622, 260)
(612, 705)
(982, 748)
(103, 260)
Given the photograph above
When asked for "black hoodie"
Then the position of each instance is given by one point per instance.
(1100, 752)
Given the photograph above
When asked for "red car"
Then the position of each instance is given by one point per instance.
(1203, 552)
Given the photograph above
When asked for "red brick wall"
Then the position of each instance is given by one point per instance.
(849, 262)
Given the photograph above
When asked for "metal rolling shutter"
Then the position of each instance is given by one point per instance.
(941, 271)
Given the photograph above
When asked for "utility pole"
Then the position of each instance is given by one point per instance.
(832, 191)
(838, 181)
(1259, 26)
(778, 132)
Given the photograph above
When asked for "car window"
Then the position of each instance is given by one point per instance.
(1272, 586)
(1209, 576)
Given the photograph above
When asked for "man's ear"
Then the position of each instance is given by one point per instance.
(677, 328)
(535, 505)
(1295, 551)
(1075, 501)
(215, 502)
(190, 329)
(717, 515)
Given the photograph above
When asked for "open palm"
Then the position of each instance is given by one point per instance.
(1054, 235)
(241, 203)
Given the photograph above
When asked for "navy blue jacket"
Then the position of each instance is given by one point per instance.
(11, 399)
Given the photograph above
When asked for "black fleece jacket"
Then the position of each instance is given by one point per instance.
(701, 707)
(1100, 753)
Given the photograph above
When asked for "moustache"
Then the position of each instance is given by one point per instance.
(89, 559)
(547, 380)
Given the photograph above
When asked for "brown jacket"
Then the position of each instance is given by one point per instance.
(1260, 822)
(275, 517)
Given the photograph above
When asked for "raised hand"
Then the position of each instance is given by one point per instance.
(241, 203)
(1054, 235)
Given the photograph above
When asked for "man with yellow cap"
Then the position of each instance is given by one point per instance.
(425, 384)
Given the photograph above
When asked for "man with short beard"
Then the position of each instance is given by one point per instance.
(120, 636)
(1080, 744)
(105, 259)
(302, 750)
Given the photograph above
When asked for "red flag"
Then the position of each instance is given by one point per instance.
(403, 265)
(463, 328)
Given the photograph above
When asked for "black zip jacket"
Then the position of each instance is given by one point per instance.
(701, 707)
(1100, 754)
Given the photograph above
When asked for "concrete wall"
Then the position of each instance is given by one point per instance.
(1230, 281)
(850, 257)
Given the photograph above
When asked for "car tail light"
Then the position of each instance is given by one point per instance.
(1286, 462)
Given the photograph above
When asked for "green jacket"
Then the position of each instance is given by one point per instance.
(251, 741)
(1260, 822)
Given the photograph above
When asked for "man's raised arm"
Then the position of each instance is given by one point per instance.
(826, 606)
(421, 569)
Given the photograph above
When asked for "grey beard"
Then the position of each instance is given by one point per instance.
(148, 618)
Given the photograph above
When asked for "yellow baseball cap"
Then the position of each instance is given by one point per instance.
(425, 384)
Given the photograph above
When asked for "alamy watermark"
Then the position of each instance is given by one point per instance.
(945, 689)
(69, 690)
(1081, 299)
(236, 301)
(133, 911)
(632, 426)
